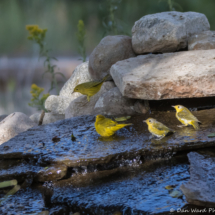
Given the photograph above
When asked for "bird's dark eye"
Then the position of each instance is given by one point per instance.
(149, 120)
(178, 106)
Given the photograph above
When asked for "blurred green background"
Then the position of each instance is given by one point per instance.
(19, 66)
(61, 18)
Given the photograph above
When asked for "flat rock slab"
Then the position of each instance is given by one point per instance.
(167, 76)
(52, 143)
(200, 189)
(136, 190)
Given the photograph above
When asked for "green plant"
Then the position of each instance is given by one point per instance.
(38, 100)
(173, 5)
(38, 36)
(109, 22)
(81, 34)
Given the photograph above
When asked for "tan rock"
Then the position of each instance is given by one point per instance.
(166, 31)
(52, 173)
(14, 124)
(110, 50)
(202, 41)
(167, 76)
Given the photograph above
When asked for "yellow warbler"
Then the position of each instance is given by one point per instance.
(186, 117)
(90, 88)
(107, 127)
(157, 128)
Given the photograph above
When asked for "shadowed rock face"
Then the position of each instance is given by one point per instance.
(200, 189)
(52, 143)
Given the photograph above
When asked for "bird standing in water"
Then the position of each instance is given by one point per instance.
(90, 88)
(186, 117)
(107, 127)
(157, 128)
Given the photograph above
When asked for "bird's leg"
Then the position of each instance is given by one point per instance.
(160, 137)
(180, 126)
(88, 98)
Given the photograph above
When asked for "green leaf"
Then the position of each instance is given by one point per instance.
(8, 183)
(169, 187)
(211, 135)
(123, 118)
(176, 194)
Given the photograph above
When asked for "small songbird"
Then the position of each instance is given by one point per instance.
(107, 127)
(157, 128)
(90, 88)
(186, 117)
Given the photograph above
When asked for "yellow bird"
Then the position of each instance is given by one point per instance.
(157, 128)
(107, 127)
(90, 88)
(186, 117)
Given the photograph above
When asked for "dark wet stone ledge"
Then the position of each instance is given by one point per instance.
(52, 143)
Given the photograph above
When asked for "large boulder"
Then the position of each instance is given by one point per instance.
(14, 124)
(110, 50)
(113, 103)
(200, 189)
(202, 41)
(81, 106)
(167, 76)
(166, 31)
(79, 76)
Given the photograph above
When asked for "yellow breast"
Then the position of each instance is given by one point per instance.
(156, 131)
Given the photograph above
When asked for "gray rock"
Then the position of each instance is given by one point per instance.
(35, 117)
(200, 189)
(129, 144)
(81, 106)
(110, 50)
(48, 118)
(141, 106)
(79, 76)
(166, 76)
(3, 117)
(52, 173)
(14, 124)
(58, 104)
(202, 41)
(166, 31)
(113, 103)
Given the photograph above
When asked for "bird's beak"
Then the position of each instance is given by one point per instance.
(173, 106)
(144, 120)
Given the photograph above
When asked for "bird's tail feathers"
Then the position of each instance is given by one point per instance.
(119, 126)
(195, 125)
(106, 77)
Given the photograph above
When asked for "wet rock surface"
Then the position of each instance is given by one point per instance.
(200, 189)
(25, 201)
(52, 173)
(110, 50)
(202, 41)
(52, 143)
(166, 31)
(139, 190)
(166, 76)
(14, 124)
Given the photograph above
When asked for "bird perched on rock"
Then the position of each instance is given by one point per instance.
(186, 117)
(107, 127)
(90, 88)
(157, 128)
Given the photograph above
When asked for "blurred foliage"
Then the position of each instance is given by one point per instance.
(61, 18)
(37, 100)
(81, 34)
(38, 36)
(173, 5)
